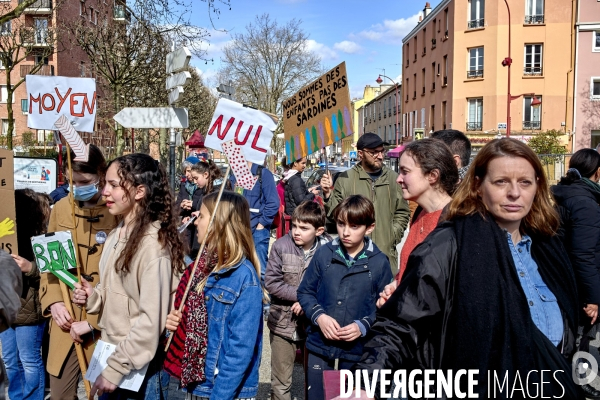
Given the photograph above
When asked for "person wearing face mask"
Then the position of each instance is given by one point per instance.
(578, 197)
(93, 223)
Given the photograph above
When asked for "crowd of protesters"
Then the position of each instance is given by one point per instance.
(498, 272)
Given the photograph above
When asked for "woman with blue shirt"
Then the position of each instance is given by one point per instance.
(491, 289)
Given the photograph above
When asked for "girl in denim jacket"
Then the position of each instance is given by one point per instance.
(216, 352)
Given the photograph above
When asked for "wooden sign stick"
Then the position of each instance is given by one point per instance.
(193, 273)
(65, 291)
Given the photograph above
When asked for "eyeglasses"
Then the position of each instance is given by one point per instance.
(375, 153)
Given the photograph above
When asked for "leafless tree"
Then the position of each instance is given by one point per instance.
(18, 43)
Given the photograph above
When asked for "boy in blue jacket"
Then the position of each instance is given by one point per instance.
(339, 292)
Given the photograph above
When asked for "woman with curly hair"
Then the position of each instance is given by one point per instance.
(140, 269)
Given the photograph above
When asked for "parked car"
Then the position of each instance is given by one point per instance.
(315, 178)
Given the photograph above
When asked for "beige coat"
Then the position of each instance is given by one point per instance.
(133, 307)
(50, 293)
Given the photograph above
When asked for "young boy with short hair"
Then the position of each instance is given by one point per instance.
(339, 292)
(288, 260)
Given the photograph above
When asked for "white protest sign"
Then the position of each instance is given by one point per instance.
(54, 252)
(249, 128)
(80, 149)
(133, 381)
(50, 97)
(239, 166)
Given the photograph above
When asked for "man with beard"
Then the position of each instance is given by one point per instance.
(373, 180)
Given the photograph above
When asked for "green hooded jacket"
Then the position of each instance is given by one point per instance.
(391, 210)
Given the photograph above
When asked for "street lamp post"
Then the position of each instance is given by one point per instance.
(379, 80)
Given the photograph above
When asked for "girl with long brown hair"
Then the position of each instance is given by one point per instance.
(139, 271)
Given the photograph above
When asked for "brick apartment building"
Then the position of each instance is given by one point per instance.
(60, 57)
(453, 76)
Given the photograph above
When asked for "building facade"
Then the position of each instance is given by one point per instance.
(52, 52)
(586, 116)
(453, 75)
(383, 114)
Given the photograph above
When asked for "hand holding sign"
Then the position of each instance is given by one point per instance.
(55, 253)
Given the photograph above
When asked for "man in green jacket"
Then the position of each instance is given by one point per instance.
(371, 179)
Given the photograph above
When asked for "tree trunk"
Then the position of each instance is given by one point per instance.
(9, 111)
(144, 141)
(119, 138)
(163, 147)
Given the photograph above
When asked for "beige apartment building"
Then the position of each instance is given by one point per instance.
(453, 75)
(380, 114)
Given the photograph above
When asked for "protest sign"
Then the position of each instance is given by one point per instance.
(39, 174)
(249, 128)
(318, 115)
(8, 227)
(54, 252)
(239, 166)
(52, 96)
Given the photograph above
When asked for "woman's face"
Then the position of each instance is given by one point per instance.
(202, 223)
(116, 200)
(508, 190)
(200, 179)
(300, 165)
(188, 173)
(411, 178)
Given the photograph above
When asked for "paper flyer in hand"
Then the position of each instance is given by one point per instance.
(103, 350)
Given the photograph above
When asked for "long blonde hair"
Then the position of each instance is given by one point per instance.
(230, 236)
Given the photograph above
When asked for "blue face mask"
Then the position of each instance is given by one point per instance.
(84, 193)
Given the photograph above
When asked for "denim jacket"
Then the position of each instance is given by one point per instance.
(234, 304)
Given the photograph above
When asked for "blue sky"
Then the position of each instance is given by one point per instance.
(367, 35)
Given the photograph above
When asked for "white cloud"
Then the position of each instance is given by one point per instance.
(347, 46)
(322, 50)
(390, 31)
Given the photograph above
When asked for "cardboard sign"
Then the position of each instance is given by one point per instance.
(52, 96)
(249, 128)
(39, 174)
(54, 252)
(8, 227)
(318, 115)
(239, 166)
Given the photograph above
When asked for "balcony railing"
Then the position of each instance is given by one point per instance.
(532, 71)
(38, 7)
(476, 23)
(474, 126)
(475, 73)
(45, 70)
(534, 19)
(532, 125)
(33, 37)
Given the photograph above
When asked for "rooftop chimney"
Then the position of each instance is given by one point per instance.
(427, 9)
(420, 18)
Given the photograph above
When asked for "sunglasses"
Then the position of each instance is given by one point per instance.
(375, 153)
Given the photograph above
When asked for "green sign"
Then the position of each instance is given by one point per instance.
(55, 253)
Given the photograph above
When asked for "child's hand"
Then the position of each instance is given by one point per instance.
(297, 309)
(173, 320)
(82, 291)
(349, 332)
(329, 326)
(387, 293)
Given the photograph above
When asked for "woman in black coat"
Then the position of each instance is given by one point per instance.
(295, 188)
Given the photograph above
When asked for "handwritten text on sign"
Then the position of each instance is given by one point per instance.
(318, 115)
(55, 253)
(252, 129)
(52, 96)
(8, 226)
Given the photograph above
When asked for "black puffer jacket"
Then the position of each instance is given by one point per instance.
(30, 312)
(296, 193)
(579, 210)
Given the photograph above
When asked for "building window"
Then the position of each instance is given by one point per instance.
(41, 60)
(531, 115)
(534, 11)
(6, 28)
(445, 81)
(41, 30)
(446, 26)
(475, 63)
(476, 14)
(5, 127)
(423, 80)
(596, 41)
(533, 59)
(595, 88)
(25, 106)
(474, 123)
(82, 10)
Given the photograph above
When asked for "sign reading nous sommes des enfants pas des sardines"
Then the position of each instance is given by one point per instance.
(249, 128)
(318, 115)
(8, 226)
(52, 96)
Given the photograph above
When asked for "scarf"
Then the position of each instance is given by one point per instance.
(187, 353)
(592, 185)
(190, 188)
(489, 323)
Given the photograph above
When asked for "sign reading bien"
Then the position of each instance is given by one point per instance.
(54, 252)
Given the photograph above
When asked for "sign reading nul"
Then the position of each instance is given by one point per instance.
(318, 115)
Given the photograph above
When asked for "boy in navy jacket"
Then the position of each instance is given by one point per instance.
(339, 292)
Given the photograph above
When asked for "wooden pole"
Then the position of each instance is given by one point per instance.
(63, 287)
(193, 273)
